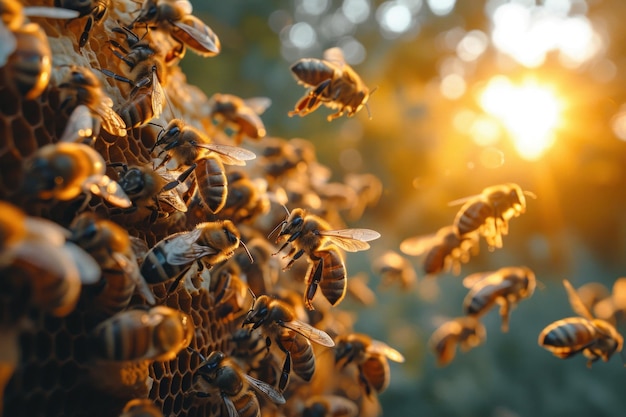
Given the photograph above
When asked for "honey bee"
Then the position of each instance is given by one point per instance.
(141, 407)
(333, 83)
(174, 16)
(25, 50)
(395, 268)
(313, 236)
(187, 146)
(262, 274)
(443, 251)
(96, 9)
(81, 86)
(151, 189)
(110, 245)
(157, 334)
(65, 170)
(292, 336)
(219, 372)
(329, 406)
(370, 356)
(35, 252)
(467, 332)
(490, 211)
(595, 338)
(506, 286)
(211, 242)
(242, 115)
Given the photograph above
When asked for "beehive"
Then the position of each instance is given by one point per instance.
(46, 363)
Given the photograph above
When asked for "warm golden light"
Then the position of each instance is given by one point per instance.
(530, 112)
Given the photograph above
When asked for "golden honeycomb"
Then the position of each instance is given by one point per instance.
(47, 365)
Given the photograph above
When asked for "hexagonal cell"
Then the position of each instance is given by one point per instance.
(49, 375)
(43, 345)
(175, 384)
(63, 346)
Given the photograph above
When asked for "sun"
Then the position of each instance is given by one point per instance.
(529, 111)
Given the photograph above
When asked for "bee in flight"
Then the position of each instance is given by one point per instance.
(467, 332)
(595, 338)
(506, 287)
(333, 83)
(394, 268)
(242, 115)
(311, 235)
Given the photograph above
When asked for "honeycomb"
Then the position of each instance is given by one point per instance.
(47, 361)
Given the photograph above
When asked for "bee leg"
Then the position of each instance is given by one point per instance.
(113, 75)
(505, 309)
(295, 257)
(364, 383)
(286, 370)
(180, 179)
(315, 94)
(85, 35)
(312, 283)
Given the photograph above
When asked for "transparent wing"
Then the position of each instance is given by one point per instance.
(266, 389)
(463, 200)
(50, 12)
(46, 230)
(417, 245)
(182, 249)
(472, 279)
(575, 301)
(158, 96)
(382, 348)
(108, 189)
(8, 44)
(231, 155)
(184, 5)
(140, 248)
(111, 121)
(131, 268)
(230, 406)
(335, 55)
(258, 104)
(314, 335)
(351, 240)
(80, 125)
(205, 39)
(88, 268)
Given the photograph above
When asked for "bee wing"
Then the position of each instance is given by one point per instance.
(80, 125)
(8, 44)
(472, 279)
(335, 55)
(140, 248)
(619, 293)
(203, 38)
(46, 230)
(108, 189)
(230, 406)
(231, 155)
(313, 334)
(576, 302)
(266, 389)
(158, 96)
(351, 240)
(383, 348)
(258, 104)
(50, 12)
(88, 269)
(416, 245)
(131, 268)
(183, 249)
(184, 6)
(463, 200)
(111, 121)
(173, 199)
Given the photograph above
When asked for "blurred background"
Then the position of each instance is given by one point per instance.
(468, 94)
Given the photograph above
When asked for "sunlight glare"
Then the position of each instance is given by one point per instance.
(530, 112)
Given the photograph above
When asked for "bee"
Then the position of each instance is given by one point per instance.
(96, 9)
(333, 83)
(151, 189)
(219, 372)
(443, 251)
(187, 146)
(211, 242)
(467, 332)
(110, 245)
(490, 211)
(141, 407)
(35, 251)
(329, 406)
(262, 274)
(595, 338)
(132, 335)
(242, 115)
(174, 16)
(506, 286)
(311, 235)
(25, 50)
(64, 170)
(395, 268)
(81, 87)
(612, 307)
(370, 356)
(292, 336)
(246, 197)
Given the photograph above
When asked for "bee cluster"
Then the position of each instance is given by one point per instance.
(138, 262)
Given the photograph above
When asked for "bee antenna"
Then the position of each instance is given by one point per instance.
(278, 226)
(247, 251)
(530, 194)
(156, 142)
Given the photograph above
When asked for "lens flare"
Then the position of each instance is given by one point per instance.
(529, 111)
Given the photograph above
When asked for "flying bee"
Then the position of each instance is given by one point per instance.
(467, 332)
(506, 286)
(219, 372)
(329, 406)
(370, 356)
(64, 170)
(395, 268)
(110, 245)
(96, 9)
(311, 235)
(157, 334)
(141, 407)
(278, 321)
(151, 189)
(81, 86)
(187, 146)
(595, 338)
(443, 251)
(333, 83)
(211, 242)
(175, 18)
(24, 50)
(242, 115)
(490, 211)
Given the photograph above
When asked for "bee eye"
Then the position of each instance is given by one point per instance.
(230, 236)
(152, 11)
(297, 221)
